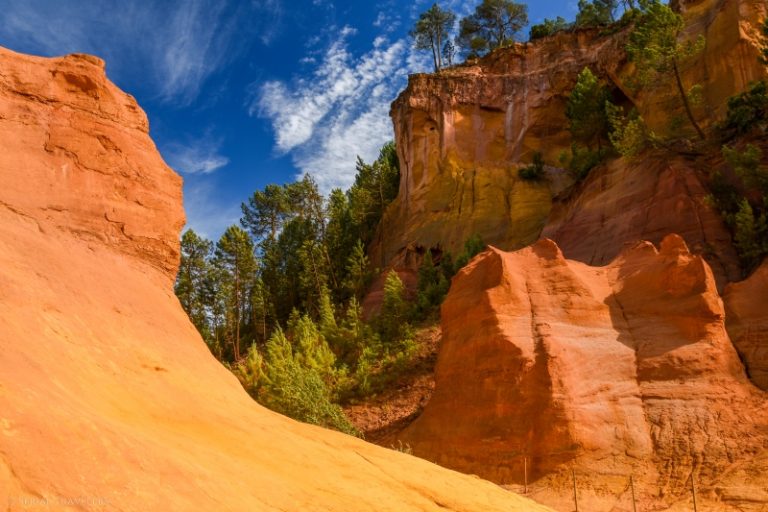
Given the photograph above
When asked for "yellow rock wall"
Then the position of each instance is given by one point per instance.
(463, 134)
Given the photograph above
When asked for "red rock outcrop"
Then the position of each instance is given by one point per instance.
(746, 305)
(109, 398)
(625, 369)
(463, 134)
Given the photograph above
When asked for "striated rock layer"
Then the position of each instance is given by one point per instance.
(109, 399)
(613, 371)
(463, 134)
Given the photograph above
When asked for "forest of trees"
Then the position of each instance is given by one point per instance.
(277, 298)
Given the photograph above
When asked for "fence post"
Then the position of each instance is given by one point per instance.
(575, 498)
(693, 492)
(632, 487)
(525, 472)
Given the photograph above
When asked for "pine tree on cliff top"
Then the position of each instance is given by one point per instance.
(494, 24)
(432, 30)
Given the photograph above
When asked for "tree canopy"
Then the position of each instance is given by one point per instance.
(549, 27)
(595, 13)
(494, 24)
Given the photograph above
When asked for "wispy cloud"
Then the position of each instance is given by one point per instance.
(201, 156)
(170, 48)
(341, 111)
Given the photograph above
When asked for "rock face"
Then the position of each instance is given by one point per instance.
(89, 167)
(746, 304)
(109, 399)
(625, 369)
(463, 134)
(630, 200)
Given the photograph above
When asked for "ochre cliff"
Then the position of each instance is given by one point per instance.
(109, 399)
(628, 200)
(550, 365)
(463, 134)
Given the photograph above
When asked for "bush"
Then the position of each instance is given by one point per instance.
(586, 110)
(549, 27)
(433, 285)
(535, 171)
(285, 384)
(750, 235)
(747, 165)
(629, 134)
(747, 111)
(583, 160)
(473, 246)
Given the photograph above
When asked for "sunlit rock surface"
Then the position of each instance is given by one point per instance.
(109, 398)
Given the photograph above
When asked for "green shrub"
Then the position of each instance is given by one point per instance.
(748, 110)
(750, 235)
(597, 13)
(629, 135)
(748, 167)
(583, 160)
(549, 27)
(473, 246)
(433, 285)
(586, 110)
(535, 171)
(285, 383)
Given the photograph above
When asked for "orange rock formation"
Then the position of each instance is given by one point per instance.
(463, 134)
(109, 399)
(620, 370)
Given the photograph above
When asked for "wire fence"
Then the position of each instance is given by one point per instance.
(626, 498)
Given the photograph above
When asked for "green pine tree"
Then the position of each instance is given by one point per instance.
(655, 48)
(235, 257)
(191, 280)
(432, 31)
(494, 24)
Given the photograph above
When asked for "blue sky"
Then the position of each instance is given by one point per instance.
(243, 93)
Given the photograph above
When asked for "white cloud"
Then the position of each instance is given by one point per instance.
(170, 48)
(339, 112)
(202, 156)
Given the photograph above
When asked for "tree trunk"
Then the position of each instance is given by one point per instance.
(237, 314)
(434, 55)
(686, 104)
